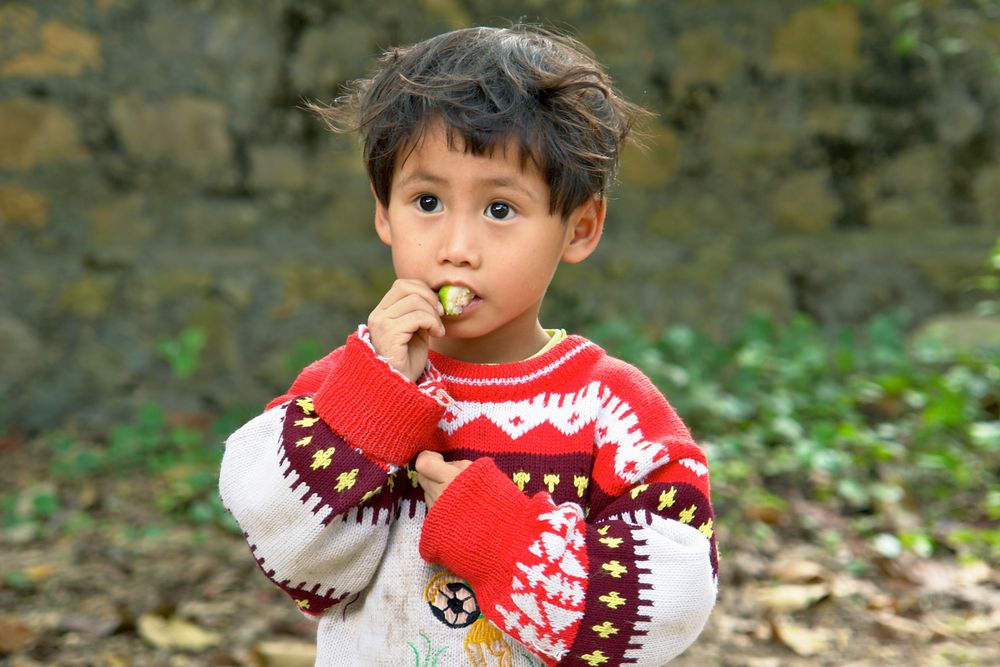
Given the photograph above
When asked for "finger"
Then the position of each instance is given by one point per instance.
(427, 457)
(413, 322)
(410, 287)
(409, 303)
(432, 466)
(461, 465)
(395, 313)
(400, 323)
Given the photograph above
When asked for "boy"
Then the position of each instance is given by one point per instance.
(473, 489)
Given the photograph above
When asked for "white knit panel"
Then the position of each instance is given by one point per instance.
(280, 523)
(566, 412)
(678, 588)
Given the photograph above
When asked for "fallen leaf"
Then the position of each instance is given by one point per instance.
(284, 654)
(786, 599)
(766, 514)
(88, 497)
(896, 627)
(39, 572)
(113, 660)
(947, 575)
(954, 625)
(763, 662)
(799, 571)
(802, 640)
(175, 633)
(15, 634)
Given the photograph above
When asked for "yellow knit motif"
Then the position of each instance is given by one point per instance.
(639, 489)
(551, 480)
(687, 516)
(596, 658)
(614, 568)
(322, 458)
(605, 629)
(346, 480)
(521, 478)
(667, 498)
(612, 599)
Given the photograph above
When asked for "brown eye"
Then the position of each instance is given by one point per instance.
(499, 210)
(428, 203)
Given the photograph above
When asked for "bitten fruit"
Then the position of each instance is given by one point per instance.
(455, 298)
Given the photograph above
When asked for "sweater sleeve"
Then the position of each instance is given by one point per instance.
(632, 580)
(312, 481)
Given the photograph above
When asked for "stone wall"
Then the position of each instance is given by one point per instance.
(157, 175)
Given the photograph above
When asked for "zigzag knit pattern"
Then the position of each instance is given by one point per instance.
(582, 534)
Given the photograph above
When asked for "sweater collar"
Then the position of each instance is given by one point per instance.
(515, 373)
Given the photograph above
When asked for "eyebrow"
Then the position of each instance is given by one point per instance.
(498, 182)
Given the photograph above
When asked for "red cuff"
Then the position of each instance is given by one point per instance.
(479, 527)
(375, 409)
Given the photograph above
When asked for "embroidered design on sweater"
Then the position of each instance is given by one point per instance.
(451, 600)
(453, 603)
(430, 657)
(483, 640)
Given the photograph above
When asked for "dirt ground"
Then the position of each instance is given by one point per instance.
(130, 589)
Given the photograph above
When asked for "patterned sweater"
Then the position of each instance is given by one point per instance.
(582, 534)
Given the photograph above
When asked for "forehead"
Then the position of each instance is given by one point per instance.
(436, 140)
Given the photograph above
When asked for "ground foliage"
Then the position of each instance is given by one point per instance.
(855, 479)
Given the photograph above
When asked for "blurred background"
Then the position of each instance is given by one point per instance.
(805, 259)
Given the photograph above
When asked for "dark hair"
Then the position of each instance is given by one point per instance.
(529, 83)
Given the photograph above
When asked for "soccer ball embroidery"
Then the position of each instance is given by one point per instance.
(451, 600)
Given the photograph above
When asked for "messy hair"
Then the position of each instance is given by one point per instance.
(535, 86)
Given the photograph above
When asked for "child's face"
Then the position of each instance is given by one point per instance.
(482, 222)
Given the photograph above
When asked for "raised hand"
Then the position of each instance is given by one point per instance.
(402, 324)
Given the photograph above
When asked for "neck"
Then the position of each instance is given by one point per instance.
(496, 347)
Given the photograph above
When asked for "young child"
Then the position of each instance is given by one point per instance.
(473, 489)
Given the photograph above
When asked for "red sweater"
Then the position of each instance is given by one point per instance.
(582, 534)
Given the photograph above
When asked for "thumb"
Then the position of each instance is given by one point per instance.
(427, 462)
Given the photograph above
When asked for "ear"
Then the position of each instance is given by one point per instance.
(382, 227)
(586, 225)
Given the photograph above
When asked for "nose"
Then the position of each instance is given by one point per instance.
(459, 244)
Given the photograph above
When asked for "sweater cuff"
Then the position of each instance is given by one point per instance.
(376, 409)
(479, 527)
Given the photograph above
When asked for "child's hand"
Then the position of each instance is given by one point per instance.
(435, 474)
(402, 324)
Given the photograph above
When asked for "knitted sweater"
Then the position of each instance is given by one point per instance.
(581, 535)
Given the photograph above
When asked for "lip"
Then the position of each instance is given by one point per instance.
(456, 283)
(473, 305)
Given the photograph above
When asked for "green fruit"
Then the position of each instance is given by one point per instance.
(454, 298)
